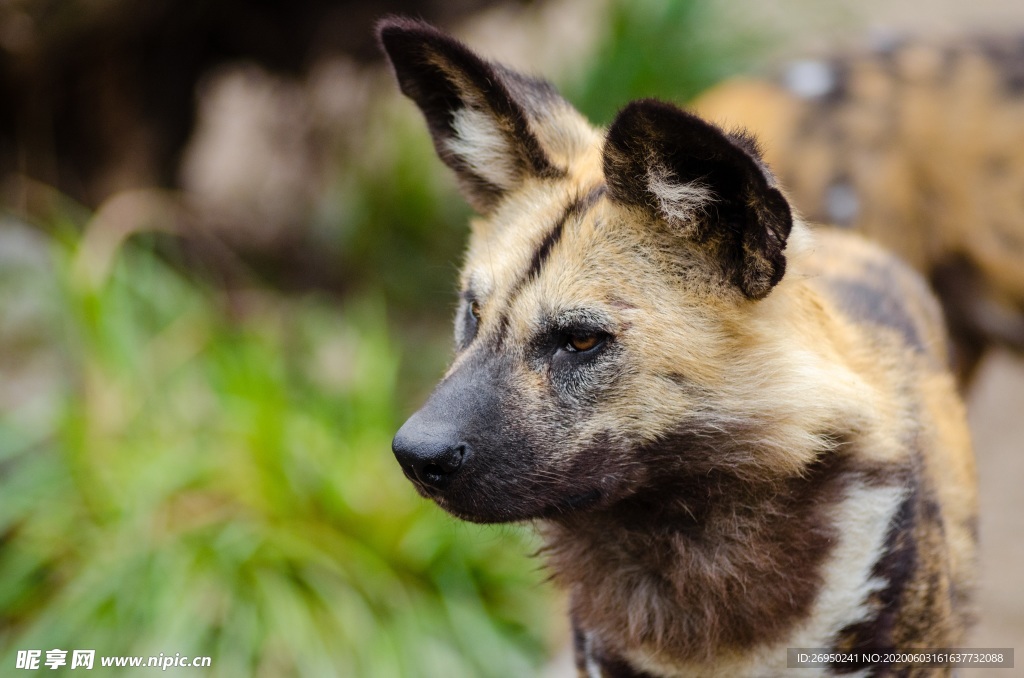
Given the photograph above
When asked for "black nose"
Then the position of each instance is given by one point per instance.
(430, 455)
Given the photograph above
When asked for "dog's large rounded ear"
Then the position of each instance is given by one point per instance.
(479, 113)
(710, 186)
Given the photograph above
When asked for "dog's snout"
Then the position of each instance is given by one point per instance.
(429, 455)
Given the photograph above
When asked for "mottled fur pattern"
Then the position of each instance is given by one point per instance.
(920, 146)
(735, 434)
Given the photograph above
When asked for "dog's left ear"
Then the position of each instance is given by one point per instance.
(480, 113)
(711, 187)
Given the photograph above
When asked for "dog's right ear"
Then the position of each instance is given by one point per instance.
(479, 113)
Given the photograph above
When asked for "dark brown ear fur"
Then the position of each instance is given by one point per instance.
(444, 77)
(656, 153)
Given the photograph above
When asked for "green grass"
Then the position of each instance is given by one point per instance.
(666, 49)
(214, 483)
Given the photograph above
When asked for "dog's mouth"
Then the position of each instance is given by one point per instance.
(498, 509)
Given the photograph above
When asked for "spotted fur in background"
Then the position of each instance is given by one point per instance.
(919, 146)
(736, 435)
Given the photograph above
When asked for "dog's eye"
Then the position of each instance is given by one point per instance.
(468, 324)
(585, 341)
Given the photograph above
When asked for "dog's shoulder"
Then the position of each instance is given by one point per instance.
(877, 292)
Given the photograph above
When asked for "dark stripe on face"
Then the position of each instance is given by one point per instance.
(541, 255)
(574, 210)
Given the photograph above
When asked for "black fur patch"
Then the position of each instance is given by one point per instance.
(839, 91)
(967, 298)
(1008, 57)
(749, 220)
(871, 303)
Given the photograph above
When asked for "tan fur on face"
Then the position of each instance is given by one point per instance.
(669, 331)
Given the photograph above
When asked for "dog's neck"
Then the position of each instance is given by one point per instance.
(706, 566)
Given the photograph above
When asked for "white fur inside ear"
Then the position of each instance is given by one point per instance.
(484, 147)
(678, 202)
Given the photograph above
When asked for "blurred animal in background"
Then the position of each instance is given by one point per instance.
(737, 435)
(920, 146)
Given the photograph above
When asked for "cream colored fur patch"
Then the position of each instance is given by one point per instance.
(484, 147)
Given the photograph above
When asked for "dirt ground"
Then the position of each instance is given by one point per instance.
(996, 412)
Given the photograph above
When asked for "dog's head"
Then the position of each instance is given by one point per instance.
(611, 328)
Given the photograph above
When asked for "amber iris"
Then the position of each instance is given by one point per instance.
(584, 342)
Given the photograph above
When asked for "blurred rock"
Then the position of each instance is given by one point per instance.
(252, 167)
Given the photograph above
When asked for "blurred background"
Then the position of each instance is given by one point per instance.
(227, 265)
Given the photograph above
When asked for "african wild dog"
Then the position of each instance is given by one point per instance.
(920, 146)
(735, 435)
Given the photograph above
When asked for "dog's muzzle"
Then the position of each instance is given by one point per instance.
(436, 445)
